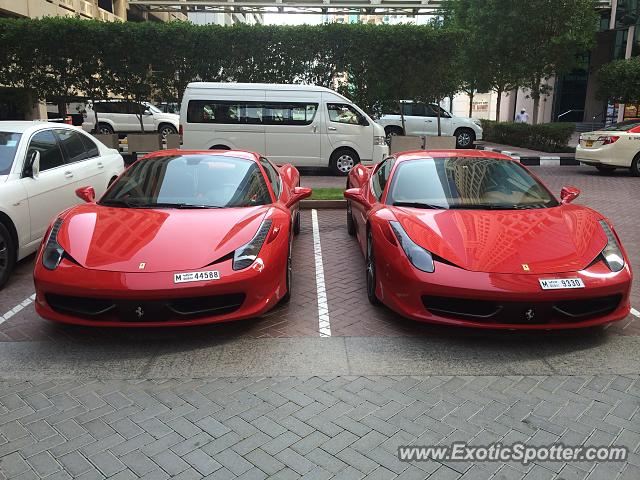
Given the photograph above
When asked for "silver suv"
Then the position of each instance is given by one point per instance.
(119, 116)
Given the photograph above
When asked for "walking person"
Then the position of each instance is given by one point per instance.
(522, 117)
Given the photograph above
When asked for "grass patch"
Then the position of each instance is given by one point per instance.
(327, 194)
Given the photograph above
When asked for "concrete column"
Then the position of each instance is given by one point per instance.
(37, 111)
(612, 19)
(120, 9)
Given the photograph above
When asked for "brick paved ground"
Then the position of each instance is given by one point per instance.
(93, 403)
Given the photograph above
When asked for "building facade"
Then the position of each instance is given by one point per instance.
(225, 18)
(105, 10)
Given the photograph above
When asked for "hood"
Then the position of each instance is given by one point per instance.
(549, 240)
(120, 239)
(171, 117)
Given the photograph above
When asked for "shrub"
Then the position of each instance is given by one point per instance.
(547, 137)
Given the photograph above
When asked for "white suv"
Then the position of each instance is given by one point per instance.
(119, 116)
(422, 119)
(41, 166)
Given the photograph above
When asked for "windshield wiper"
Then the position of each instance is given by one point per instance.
(491, 206)
(419, 205)
(179, 205)
(116, 202)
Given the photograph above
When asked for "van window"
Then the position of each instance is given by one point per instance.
(237, 112)
(343, 113)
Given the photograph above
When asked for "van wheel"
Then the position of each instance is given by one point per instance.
(635, 166)
(104, 129)
(465, 138)
(342, 161)
(219, 147)
(7, 255)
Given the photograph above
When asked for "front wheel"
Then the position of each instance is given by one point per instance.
(165, 130)
(104, 129)
(287, 296)
(351, 225)
(392, 132)
(296, 223)
(7, 255)
(342, 161)
(371, 271)
(465, 138)
(635, 166)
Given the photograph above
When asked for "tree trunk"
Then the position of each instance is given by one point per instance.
(498, 102)
(536, 106)
(471, 95)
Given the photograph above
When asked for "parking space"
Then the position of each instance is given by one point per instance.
(349, 313)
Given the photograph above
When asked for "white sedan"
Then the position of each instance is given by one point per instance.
(616, 146)
(41, 166)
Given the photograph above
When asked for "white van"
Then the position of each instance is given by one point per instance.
(304, 125)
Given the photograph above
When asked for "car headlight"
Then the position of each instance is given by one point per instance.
(418, 256)
(612, 254)
(247, 254)
(53, 252)
(379, 140)
(477, 122)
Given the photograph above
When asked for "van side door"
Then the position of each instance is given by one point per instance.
(292, 132)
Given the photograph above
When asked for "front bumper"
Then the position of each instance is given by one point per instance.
(454, 296)
(604, 155)
(75, 295)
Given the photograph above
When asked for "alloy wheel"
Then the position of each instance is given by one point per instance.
(464, 139)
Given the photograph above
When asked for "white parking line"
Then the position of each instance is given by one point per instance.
(635, 312)
(323, 307)
(25, 303)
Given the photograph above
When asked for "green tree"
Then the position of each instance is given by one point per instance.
(620, 81)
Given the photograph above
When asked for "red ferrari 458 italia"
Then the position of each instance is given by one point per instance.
(474, 239)
(180, 238)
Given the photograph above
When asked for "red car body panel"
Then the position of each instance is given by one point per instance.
(480, 256)
(128, 256)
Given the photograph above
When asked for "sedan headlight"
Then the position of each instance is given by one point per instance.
(477, 122)
(379, 140)
(612, 254)
(418, 256)
(53, 252)
(247, 254)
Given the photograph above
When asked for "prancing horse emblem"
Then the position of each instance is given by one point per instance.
(525, 267)
(141, 266)
(139, 312)
(529, 314)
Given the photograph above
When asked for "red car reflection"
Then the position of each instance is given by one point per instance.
(181, 238)
(474, 239)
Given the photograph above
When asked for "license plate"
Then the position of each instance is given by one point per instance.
(184, 277)
(561, 283)
(589, 143)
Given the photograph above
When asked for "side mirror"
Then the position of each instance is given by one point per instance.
(568, 194)
(33, 165)
(299, 193)
(355, 195)
(88, 194)
(147, 112)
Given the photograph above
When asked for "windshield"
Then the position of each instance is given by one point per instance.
(466, 183)
(623, 126)
(8, 145)
(190, 181)
(152, 108)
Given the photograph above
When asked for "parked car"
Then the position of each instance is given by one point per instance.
(474, 239)
(120, 116)
(169, 107)
(41, 166)
(181, 238)
(304, 125)
(422, 119)
(616, 146)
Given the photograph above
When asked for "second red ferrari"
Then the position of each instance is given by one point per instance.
(474, 239)
(180, 238)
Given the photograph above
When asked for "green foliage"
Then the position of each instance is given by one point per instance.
(620, 81)
(327, 194)
(546, 137)
(63, 58)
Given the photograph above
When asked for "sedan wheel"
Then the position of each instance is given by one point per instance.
(371, 272)
(7, 255)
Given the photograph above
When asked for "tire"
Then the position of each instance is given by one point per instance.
(219, 147)
(605, 168)
(465, 138)
(166, 129)
(370, 271)
(635, 166)
(104, 129)
(296, 223)
(351, 225)
(7, 255)
(289, 270)
(392, 132)
(342, 161)
(113, 179)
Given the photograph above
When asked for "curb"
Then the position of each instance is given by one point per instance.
(322, 204)
(535, 161)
